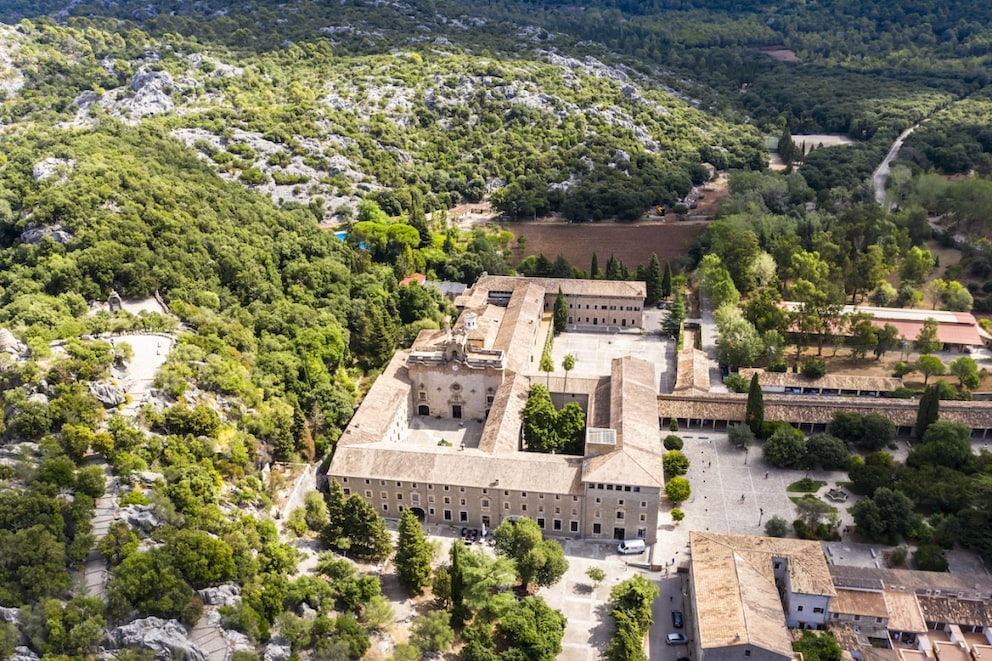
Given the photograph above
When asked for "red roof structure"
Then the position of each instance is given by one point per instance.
(958, 328)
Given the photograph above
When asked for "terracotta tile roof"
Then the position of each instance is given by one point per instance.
(742, 605)
(805, 409)
(568, 286)
(828, 381)
(859, 602)
(692, 371)
(904, 611)
(521, 322)
(964, 612)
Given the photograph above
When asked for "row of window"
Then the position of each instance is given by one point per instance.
(430, 487)
(612, 487)
(628, 308)
(857, 618)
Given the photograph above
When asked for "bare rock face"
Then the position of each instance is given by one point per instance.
(108, 395)
(51, 167)
(22, 653)
(141, 517)
(165, 638)
(34, 234)
(278, 649)
(151, 93)
(222, 595)
(10, 615)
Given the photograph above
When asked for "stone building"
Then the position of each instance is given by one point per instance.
(440, 430)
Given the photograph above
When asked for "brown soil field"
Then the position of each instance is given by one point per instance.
(633, 243)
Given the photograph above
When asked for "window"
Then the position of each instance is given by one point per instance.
(557, 496)
(368, 482)
(447, 500)
(523, 495)
(557, 510)
(399, 496)
(484, 503)
(878, 620)
(609, 487)
(523, 508)
(462, 502)
(575, 512)
(447, 515)
(575, 499)
(463, 516)
(430, 510)
(461, 489)
(382, 483)
(573, 526)
(778, 565)
(836, 615)
(637, 490)
(626, 488)
(368, 493)
(557, 524)
(385, 507)
(540, 524)
(641, 533)
(415, 498)
(799, 608)
(430, 487)
(399, 484)
(644, 504)
(597, 514)
(347, 492)
(599, 501)
(747, 652)
(345, 480)
(620, 502)
(446, 487)
(597, 529)
(643, 518)
(817, 610)
(857, 618)
(506, 506)
(540, 496)
(619, 515)
(430, 498)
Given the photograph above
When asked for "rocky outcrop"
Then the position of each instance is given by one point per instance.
(10, 615)
(52, 166)
(278, 649)
(141, 517)
(222, 595)
(151, 93)
(22, 653)
(166, 639)
(109, 395)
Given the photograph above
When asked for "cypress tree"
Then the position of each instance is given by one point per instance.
(653, 279)
(666, 281)
(560, 318)
(594, 269)
(929, 410)
(754, 414)
(413, 554)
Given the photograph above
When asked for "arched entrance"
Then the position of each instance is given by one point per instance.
(423, 409)
(419, 513)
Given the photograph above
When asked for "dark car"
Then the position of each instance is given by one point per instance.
(677, 619)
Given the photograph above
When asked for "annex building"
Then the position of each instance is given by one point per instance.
(749, 592)
(440, 430)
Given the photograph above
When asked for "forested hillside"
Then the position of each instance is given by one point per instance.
(200, 153)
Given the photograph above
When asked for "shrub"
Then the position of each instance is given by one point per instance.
(673, 424)
(898, 556)
(675, 463)
(736, 383)
(673, 442)
(776, 527)
(930, 557)
(814, 368)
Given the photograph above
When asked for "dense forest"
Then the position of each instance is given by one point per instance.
(197, 152)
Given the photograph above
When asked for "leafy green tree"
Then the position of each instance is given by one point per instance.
(671, 324)
(316, 514)
(678, 490)
(332, 535)
(594, 268)
(739, 341)
(627, 643)
(776, 527)
(943, 444)
(596, 575)
(928, 366)
(74, 629)
(432, 632)
(888, 339)
(532, 629)
(916, 265)
(966, 370)
(878, 469)
(786, 448)
(634, 597)
(926, 339)
(560, 316)
(884, 516)
(819, 646)
(201, 559)
(930, 557)
(826, 451)
(877, 432)
(928, 411)
(119, 542)
(673, 442)
(32, 565)
(740, 436)
(538, 560)
(716, 282)
(366, 532)
(675, 463)
(144, 584)
(811, 510)
(413, 554)
(547, 366)
(677, 515)
(754, 411)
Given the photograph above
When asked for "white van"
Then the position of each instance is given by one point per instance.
(631, 546)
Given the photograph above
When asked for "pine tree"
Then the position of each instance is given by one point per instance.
(754, 414)
(413, 554)
(672, 323)
(654, 287)
(417, 218)
(333, 533)
(666, 281)
(560, 317)
(459, 611)
(929, 410)
(366, 531)
(594, 268)
(614, 269)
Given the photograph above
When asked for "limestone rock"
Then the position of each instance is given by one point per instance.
(10, 615)
(51, 167)
(165, 638)
(278, 649)
(34, 234)
(108, 395)
(141, 517)
(22, 653)
(222, 595)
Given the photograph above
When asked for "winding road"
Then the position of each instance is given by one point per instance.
(881, 174)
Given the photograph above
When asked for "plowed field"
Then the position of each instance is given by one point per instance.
(631, 243)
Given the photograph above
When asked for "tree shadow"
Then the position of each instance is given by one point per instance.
(600, 635)
(582, 588)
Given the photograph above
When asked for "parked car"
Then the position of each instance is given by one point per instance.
(677, 619)
(676, 639)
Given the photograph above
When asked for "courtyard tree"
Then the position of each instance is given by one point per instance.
(776, 527)
(819, 646)
(548, 366)
(560, 318)
(739, 341)
(675, 462)
(811, 510)
(826, 451)
(677, 515)
(596, 575)
(532, 629)
(885, 516)
(673, 442)
(943, 444)
(678, 490)
(786, 448)
(754, 411)
(413, 554)
(567, 364)
(671, 324)
(740, 436)
(537, 559)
